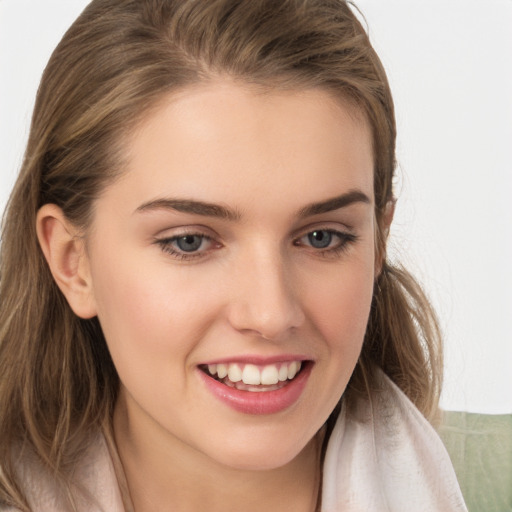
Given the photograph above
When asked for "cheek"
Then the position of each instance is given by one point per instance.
(146, 312)
(340, 307)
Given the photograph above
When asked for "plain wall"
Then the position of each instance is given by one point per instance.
(449, 64)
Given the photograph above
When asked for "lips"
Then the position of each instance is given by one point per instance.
(256, 388)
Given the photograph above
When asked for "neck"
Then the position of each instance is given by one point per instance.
(165, 474)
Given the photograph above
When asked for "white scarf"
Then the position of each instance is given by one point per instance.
(389, 459)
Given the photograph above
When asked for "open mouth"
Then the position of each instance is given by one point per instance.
(255, 378)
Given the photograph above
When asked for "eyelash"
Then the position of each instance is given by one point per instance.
(166, 244)
(345, 240)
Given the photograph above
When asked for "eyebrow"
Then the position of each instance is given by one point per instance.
(334, 203)
(222, 212)
(193, 207)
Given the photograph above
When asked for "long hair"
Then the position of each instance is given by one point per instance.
(57, 381)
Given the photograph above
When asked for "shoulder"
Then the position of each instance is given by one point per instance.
(386, 456)
(93, 483)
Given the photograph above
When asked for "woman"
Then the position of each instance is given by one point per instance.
(199, 311)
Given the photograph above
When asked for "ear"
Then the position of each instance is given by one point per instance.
(382, 238)
(387, 217)
(65, 254)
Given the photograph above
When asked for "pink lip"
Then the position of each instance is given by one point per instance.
(259, 360)
(265, 402)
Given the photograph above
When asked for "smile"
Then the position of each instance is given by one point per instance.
(254, 378)
(257, 388)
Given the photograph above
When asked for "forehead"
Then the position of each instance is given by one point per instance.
(225, 141)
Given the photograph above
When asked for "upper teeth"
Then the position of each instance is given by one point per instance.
(255, 375)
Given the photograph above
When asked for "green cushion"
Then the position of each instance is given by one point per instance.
(480, 446)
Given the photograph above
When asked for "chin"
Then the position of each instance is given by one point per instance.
(263, 462)
(260, 455)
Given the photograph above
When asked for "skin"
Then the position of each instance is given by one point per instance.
(256, 286)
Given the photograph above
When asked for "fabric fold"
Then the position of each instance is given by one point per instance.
(386, 457)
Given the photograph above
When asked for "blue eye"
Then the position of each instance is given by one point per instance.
(320, 239)
(326, 242)
(187, 246)
(189, 243)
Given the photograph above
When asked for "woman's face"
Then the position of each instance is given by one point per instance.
(239, 240)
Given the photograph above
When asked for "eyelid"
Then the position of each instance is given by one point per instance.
(183, 230)
(336, 232)
(345, 239)
(335, 227)
(166, 242)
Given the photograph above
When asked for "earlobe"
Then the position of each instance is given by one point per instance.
(65, 254)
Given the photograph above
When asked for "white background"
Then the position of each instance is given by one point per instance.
(450, 67)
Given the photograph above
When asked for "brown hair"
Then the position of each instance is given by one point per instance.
(57, 380)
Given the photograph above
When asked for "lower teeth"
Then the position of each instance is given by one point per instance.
(248, 387)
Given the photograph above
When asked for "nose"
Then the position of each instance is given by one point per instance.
(266, 299)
